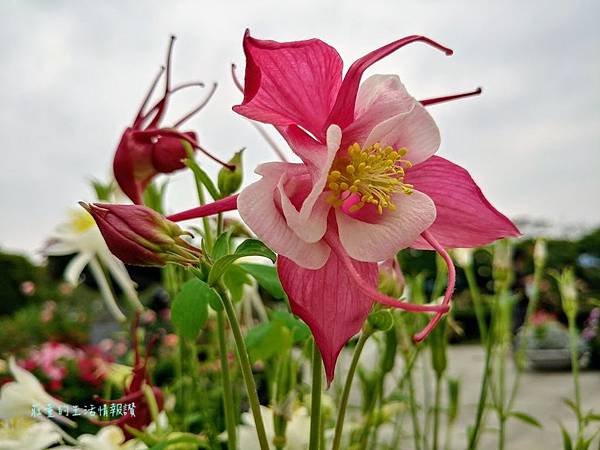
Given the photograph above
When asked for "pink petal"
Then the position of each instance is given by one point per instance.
(328, 302)
(289, 83)
(310, 220)
(464, 216)
(257, 207)
(342, 113)
(220, 206)
(414, 130)
(367, 288)
(384, 235)
(380, 97)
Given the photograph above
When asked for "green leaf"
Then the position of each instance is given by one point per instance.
(299, 330)
(266, 340)
(567, 444)
(189, 310)
(222, 245)
(200, 175)
(267, 278)
(250, 247)
(235, 278)
(526, 418)
(571, 404)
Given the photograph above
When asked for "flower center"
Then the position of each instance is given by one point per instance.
(81, 221)
(374, 173)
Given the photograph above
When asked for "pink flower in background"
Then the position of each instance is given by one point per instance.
(170, 340)
(51, 358)
(148, 148)
(48, 310)
(133, 390)
(368, 185)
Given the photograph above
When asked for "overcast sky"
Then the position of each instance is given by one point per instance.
(74, 72)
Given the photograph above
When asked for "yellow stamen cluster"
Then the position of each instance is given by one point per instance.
(373, 172)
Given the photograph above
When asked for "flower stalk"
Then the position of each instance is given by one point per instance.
(316, 392)
(245, 368)
(339, 425)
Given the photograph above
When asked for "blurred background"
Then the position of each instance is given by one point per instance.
(74, 74)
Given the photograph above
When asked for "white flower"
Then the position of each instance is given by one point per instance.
(17, 398)
(81, 235)
(463, 256)
(297, 430)
(108, 438)
(24, 433)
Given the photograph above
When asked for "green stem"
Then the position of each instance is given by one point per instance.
(339, 425)
(191, 162)
(414, 412)
(315, 408)
(246, 369)
(371, 405)
(227, 387)
(477, 303)
(409, 362)
(475, 432)
(436, 412)
(575, 371)
(524, 332)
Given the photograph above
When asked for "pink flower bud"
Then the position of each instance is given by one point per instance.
(391, 279)
(140, 236)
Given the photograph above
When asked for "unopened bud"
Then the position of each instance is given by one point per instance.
(503, 255)
(540, 252)
(229, 181)
(463, 256)
(140, 236)
(568, 292)
(380, 320)
(391, 279)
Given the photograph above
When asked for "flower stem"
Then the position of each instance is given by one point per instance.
(227, 388)
(477, 304)
(339, 425)
(436, 411)
(475, 432)
(575, 371)
(315, 408)
(246, 369)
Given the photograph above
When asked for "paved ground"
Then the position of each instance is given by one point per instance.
(541, 395)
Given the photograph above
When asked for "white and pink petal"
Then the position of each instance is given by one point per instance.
(380, 97)
(415, 130)
(258, 208)
(380, 237)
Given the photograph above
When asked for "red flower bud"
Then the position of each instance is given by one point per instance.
(140, 236)
(147, 148)
(134, 393)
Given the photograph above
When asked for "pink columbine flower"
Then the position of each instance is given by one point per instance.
(368, 185)
(147, 147)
